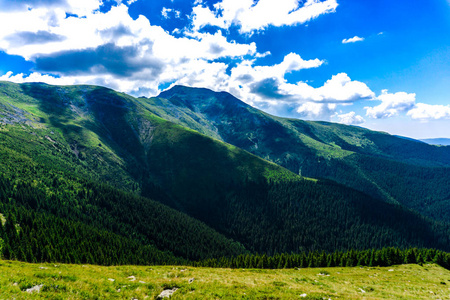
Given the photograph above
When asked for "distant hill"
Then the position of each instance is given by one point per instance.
(441, 141)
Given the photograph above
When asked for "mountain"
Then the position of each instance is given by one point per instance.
(394, 169)
(441, 141)
(118, 167)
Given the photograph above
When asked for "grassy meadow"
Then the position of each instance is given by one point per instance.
(61, 281)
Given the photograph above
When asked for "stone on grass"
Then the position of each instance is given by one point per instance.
(167, 293)
(36, 288)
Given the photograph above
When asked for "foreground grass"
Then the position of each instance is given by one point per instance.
(134, 282)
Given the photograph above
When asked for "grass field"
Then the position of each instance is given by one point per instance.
(135, 282)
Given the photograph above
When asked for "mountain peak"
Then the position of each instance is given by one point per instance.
(182, 89)
(200, 97)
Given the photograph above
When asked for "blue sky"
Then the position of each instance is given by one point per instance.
(380, 64)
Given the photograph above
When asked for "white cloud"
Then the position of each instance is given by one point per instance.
(353, 40)
(340, 88)
(117, 51)
(112, 49)
(425, 112)
(78, 7)
(350, 118)
(169, 12)
(36, 77)
(391, 105)
(165, 12)
(311, 110)
(252, 17)
(96, 28)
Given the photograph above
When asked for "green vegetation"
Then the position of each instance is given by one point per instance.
(62, 281)
(353, 258)
(101, 162)
(386, 167)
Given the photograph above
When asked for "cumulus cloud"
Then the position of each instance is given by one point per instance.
(109, 48)
(322, 102)
(391, 105)
(426, 112)
(340, 88)
(350, 118)
(311, 110)
(131, 55)
(394, 104)
(251, 16)
(352, 40)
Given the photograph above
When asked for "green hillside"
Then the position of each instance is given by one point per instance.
(61, 281)
(89, 156)
(391, 168)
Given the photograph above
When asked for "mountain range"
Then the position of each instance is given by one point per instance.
(438, 141)
(194, 174)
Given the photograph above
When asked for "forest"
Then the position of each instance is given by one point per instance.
(89, 175)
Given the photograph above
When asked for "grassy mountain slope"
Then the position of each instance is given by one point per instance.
(57, 143)
(92, 282)
(350, 155)
(54, 169)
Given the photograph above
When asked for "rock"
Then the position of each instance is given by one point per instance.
(191, 280)
(303, 295)
(112, 280)
(391, 270)
(36, 288)
(167, 293)
(132, 278)
(43, 268)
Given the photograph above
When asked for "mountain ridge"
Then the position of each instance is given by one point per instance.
(53, 138)
(437, 141)
(318, 149)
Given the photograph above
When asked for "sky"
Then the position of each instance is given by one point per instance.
(379, 64)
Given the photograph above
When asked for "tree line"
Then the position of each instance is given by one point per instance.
(316, 259)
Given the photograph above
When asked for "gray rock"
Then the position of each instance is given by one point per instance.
(36, 288)
(167, 293)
